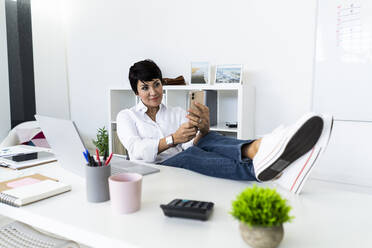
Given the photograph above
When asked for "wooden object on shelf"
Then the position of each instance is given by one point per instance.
(174, 81)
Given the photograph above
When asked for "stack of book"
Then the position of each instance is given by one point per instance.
(28, 189)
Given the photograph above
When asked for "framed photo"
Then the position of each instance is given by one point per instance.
(229, 74)
(199, 73)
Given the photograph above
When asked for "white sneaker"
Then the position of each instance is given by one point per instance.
(285, 145)
(296, 175)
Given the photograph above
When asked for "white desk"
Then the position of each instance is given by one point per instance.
(325, 215)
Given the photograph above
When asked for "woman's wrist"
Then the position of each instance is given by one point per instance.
(174, 139)
(205, 130)
(198, 136)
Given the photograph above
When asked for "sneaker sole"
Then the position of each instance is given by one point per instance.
(301, 142)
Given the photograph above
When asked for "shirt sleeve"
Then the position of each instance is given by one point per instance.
(187, 144)
(138, 148)
(183, 119)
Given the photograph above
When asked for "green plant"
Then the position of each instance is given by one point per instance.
(261, 207)
(102, 141)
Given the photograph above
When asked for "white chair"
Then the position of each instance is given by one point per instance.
(19, 235)
(13, 139)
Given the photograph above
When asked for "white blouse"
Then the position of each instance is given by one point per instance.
(140, 135)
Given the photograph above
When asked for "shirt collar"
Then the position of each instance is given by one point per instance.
(142, 107)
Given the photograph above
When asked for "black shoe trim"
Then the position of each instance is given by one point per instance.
(301, 142)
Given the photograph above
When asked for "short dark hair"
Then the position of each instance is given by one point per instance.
(145, 70)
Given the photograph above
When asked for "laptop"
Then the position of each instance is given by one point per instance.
(67, 145)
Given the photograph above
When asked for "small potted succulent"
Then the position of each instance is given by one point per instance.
(261, 212)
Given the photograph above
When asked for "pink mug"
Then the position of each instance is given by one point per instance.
(125, 192)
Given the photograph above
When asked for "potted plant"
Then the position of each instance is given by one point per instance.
(101, 141)
(261, 212)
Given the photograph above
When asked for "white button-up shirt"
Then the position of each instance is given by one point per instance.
(140, 135)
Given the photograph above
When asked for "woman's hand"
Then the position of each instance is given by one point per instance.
(184, 133)
(199, 117)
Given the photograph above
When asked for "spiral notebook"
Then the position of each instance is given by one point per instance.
(25, 190)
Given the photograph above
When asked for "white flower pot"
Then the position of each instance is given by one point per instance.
(261, 237)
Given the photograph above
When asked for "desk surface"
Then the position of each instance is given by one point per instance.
(324, 215)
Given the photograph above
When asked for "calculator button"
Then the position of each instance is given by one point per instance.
(174, 202)
(205, 205)
(182, 203)
(197, 205)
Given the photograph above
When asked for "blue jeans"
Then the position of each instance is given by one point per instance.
(216, 155)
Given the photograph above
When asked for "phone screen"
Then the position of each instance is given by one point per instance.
(29, 156)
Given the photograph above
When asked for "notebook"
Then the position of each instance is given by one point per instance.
(23, 156)
(25, 190)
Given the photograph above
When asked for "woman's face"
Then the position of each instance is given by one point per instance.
(150, 92)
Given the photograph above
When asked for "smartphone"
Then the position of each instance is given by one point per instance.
(196, 96)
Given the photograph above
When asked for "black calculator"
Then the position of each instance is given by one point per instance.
(191, 209)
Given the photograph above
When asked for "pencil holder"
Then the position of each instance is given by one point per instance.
(97, 183)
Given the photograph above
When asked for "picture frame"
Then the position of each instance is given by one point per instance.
(200, 73)
(229, 74)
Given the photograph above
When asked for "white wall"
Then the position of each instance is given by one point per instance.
(51, 85)
(274, 39)
(4, 77)
(347, 158)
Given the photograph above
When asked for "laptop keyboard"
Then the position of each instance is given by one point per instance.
(131, 167)
(115, 170)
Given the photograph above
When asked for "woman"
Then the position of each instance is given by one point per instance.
(152, 132)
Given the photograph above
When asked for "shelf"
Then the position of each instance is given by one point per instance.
(235, 102)
(221, 127)
(192, 87)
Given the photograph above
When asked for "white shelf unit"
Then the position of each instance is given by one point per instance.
(234, 103)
